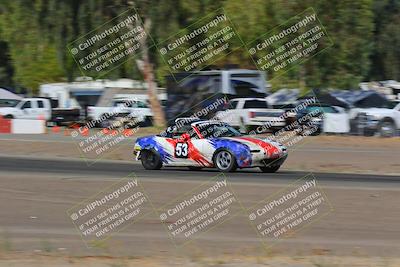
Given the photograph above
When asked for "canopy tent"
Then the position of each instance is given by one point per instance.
(5, 94)
(361, 99)
(329, 99)
(351, 99)
(8, 99)
(283, 96)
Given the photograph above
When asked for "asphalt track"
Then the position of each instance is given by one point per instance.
(35, 194)
(121, 169)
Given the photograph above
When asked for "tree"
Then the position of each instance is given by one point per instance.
(148, 73)
(386, 55)
(6, 69)
(365, 35)
(350, 25)
(34, 59)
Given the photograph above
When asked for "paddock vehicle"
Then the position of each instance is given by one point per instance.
(40, 108)
(137, 111)
(384, 121)
(311, 118)
(253, 114)
(201, 144)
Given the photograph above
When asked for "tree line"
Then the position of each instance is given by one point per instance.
(366, 37)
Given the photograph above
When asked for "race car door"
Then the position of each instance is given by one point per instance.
(187, 152)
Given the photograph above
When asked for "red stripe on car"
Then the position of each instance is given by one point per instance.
(193, 152)
(268, 148)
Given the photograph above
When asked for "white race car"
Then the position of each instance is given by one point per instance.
(207, 144)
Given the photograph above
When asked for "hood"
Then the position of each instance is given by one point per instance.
(378, 110)
(272, 148)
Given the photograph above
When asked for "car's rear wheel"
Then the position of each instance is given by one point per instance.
(225, 161)
(150, 160)
(270, 169)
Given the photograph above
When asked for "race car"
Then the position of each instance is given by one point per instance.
(198, 144)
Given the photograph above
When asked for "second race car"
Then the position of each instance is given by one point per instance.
(207, 144)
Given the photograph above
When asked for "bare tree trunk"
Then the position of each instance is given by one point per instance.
(148, 73)
(302, 79)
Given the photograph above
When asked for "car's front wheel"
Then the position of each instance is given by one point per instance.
(225, 161)
(150, 160)
(270, 169)
(387, 128)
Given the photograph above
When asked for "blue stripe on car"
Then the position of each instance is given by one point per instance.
(151, 143)
(240, 151)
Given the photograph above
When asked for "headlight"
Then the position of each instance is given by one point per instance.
(373, 117)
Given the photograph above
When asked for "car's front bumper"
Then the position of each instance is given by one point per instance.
(260, 161)
(274, 162)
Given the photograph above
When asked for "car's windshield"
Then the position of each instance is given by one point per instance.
(129, 104)
(320, 109)
(255, 104)
(8, 102)
(215, 130)
(391, 105)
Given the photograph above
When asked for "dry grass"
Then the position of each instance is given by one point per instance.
(47, 260)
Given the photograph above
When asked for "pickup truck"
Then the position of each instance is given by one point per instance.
(138, 111)
(252, 114)
(311, 118)
(384, 121)
(39, 109)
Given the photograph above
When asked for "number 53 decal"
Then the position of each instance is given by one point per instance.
(181, 150)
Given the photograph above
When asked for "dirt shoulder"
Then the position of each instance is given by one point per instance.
(37, 260)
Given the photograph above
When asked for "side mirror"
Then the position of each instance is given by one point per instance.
(185, 137)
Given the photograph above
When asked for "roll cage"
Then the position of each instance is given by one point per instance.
(191, 127)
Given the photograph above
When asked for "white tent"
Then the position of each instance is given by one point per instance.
(4, 94)
(283, 97)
